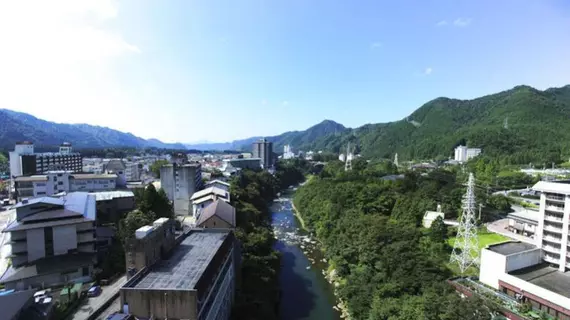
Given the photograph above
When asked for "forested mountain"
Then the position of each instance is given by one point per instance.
(17, 126)
(293, 138)
(521, 125)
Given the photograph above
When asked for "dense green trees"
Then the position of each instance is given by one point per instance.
(155, 167)
(370, 228)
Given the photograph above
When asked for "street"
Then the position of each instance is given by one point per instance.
(90, 305)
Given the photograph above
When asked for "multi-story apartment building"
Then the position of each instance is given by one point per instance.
(180, 181)
(54, 182)
(52, 241)
(197, 281)
(132, 171)
(263, 150)
(203, 198)
(24, 162)
(553, 220)
(462, 153)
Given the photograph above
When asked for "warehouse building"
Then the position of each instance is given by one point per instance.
(196, 281)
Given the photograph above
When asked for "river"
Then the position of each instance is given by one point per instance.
(305, 293)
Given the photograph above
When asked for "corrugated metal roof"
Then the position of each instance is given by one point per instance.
(207, 192)
(87, 176)
(221, 209)
(110, 195)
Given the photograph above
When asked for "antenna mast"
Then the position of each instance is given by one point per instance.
(466, 247)
(348, 160)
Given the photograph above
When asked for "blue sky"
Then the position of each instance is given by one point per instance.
(222, 70)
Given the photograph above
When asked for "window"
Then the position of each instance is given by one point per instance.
(60, 183)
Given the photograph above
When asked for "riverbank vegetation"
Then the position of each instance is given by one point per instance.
(257, 295)
(370, 228)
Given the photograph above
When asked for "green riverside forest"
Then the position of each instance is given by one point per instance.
(370, 229)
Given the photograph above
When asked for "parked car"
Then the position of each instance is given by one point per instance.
(94, 291)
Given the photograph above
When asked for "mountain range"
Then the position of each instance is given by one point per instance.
(520, 125)
(18, 126)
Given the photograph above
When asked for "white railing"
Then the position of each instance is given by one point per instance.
(551, 248)
(552, 218)
(552, 239)
(555, 208)
(551, 259)
(553, 229)
(555, 198)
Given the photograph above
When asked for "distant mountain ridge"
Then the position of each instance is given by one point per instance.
(293, 138)
(18, 126)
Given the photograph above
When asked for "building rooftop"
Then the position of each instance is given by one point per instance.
(546, 277)
(432, 215)
(51, 214)
(11, 304)
(115, 165)
(218, 181)
(552, 187)
(511, 247)
(39, 177)
(525, 214)
(186, 264)
(209, 191)
(222, 210)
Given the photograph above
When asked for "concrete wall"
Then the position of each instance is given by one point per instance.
(493, 265)
(36, 244)
(215, 222)
(523, 259)
(48, 280)
(64, 239)
(162, 304)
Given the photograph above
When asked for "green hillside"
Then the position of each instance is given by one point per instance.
(538, 128)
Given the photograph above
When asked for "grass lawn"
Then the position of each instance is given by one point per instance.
(485, 238)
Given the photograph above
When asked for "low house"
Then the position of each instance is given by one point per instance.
(219, 214)
(430, 216)
(218, 184)
(203, 198)
(523, 222)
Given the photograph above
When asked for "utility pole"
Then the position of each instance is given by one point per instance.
(466, 247)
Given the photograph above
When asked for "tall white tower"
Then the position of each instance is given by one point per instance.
(396, 159)
(466, 247)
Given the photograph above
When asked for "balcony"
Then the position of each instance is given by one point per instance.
(555, 208)
(555, 198)
(551, 228)
(553, 218)
(551, 259)
(552, 239)
(551, 249)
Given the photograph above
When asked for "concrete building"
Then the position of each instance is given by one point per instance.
(52, 241)
(242, 163)
(218, 184)
(201, 199)
(430, 216)
(218, 214)
(113, 205)
(180, 182)
(517, 269)
(287, 152)
(119, 168)
(553, 219)
(132, 171)
(197, 281)
(523, 222)
(54, 182)
(462, 153)
(24, 162)
(263, 150)
(150, 244)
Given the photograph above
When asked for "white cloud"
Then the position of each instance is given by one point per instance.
(428, 71)
(441, 23)
(462, 22)
(57, 56)
(376, 45)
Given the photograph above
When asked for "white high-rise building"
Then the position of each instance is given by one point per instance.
(554, 217)
(287, 153)
(462, 153)
(180, 182)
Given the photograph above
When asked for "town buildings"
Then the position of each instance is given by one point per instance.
(523, 222)
(52, 241)
(288, 153)
(24, 162)
(263, 150)
(218, 184)
(219, 214)
(180, 181)
(54, 182)
(463, 154)
(242, 163)
(196, 281)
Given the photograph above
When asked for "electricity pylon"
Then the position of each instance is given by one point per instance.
(348, 160)
(466, 247)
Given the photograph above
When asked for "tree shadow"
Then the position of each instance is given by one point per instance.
(297, 300)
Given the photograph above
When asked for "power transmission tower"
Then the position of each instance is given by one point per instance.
(466, 247)
(506, 123)
(396, 159)
(348, 160)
